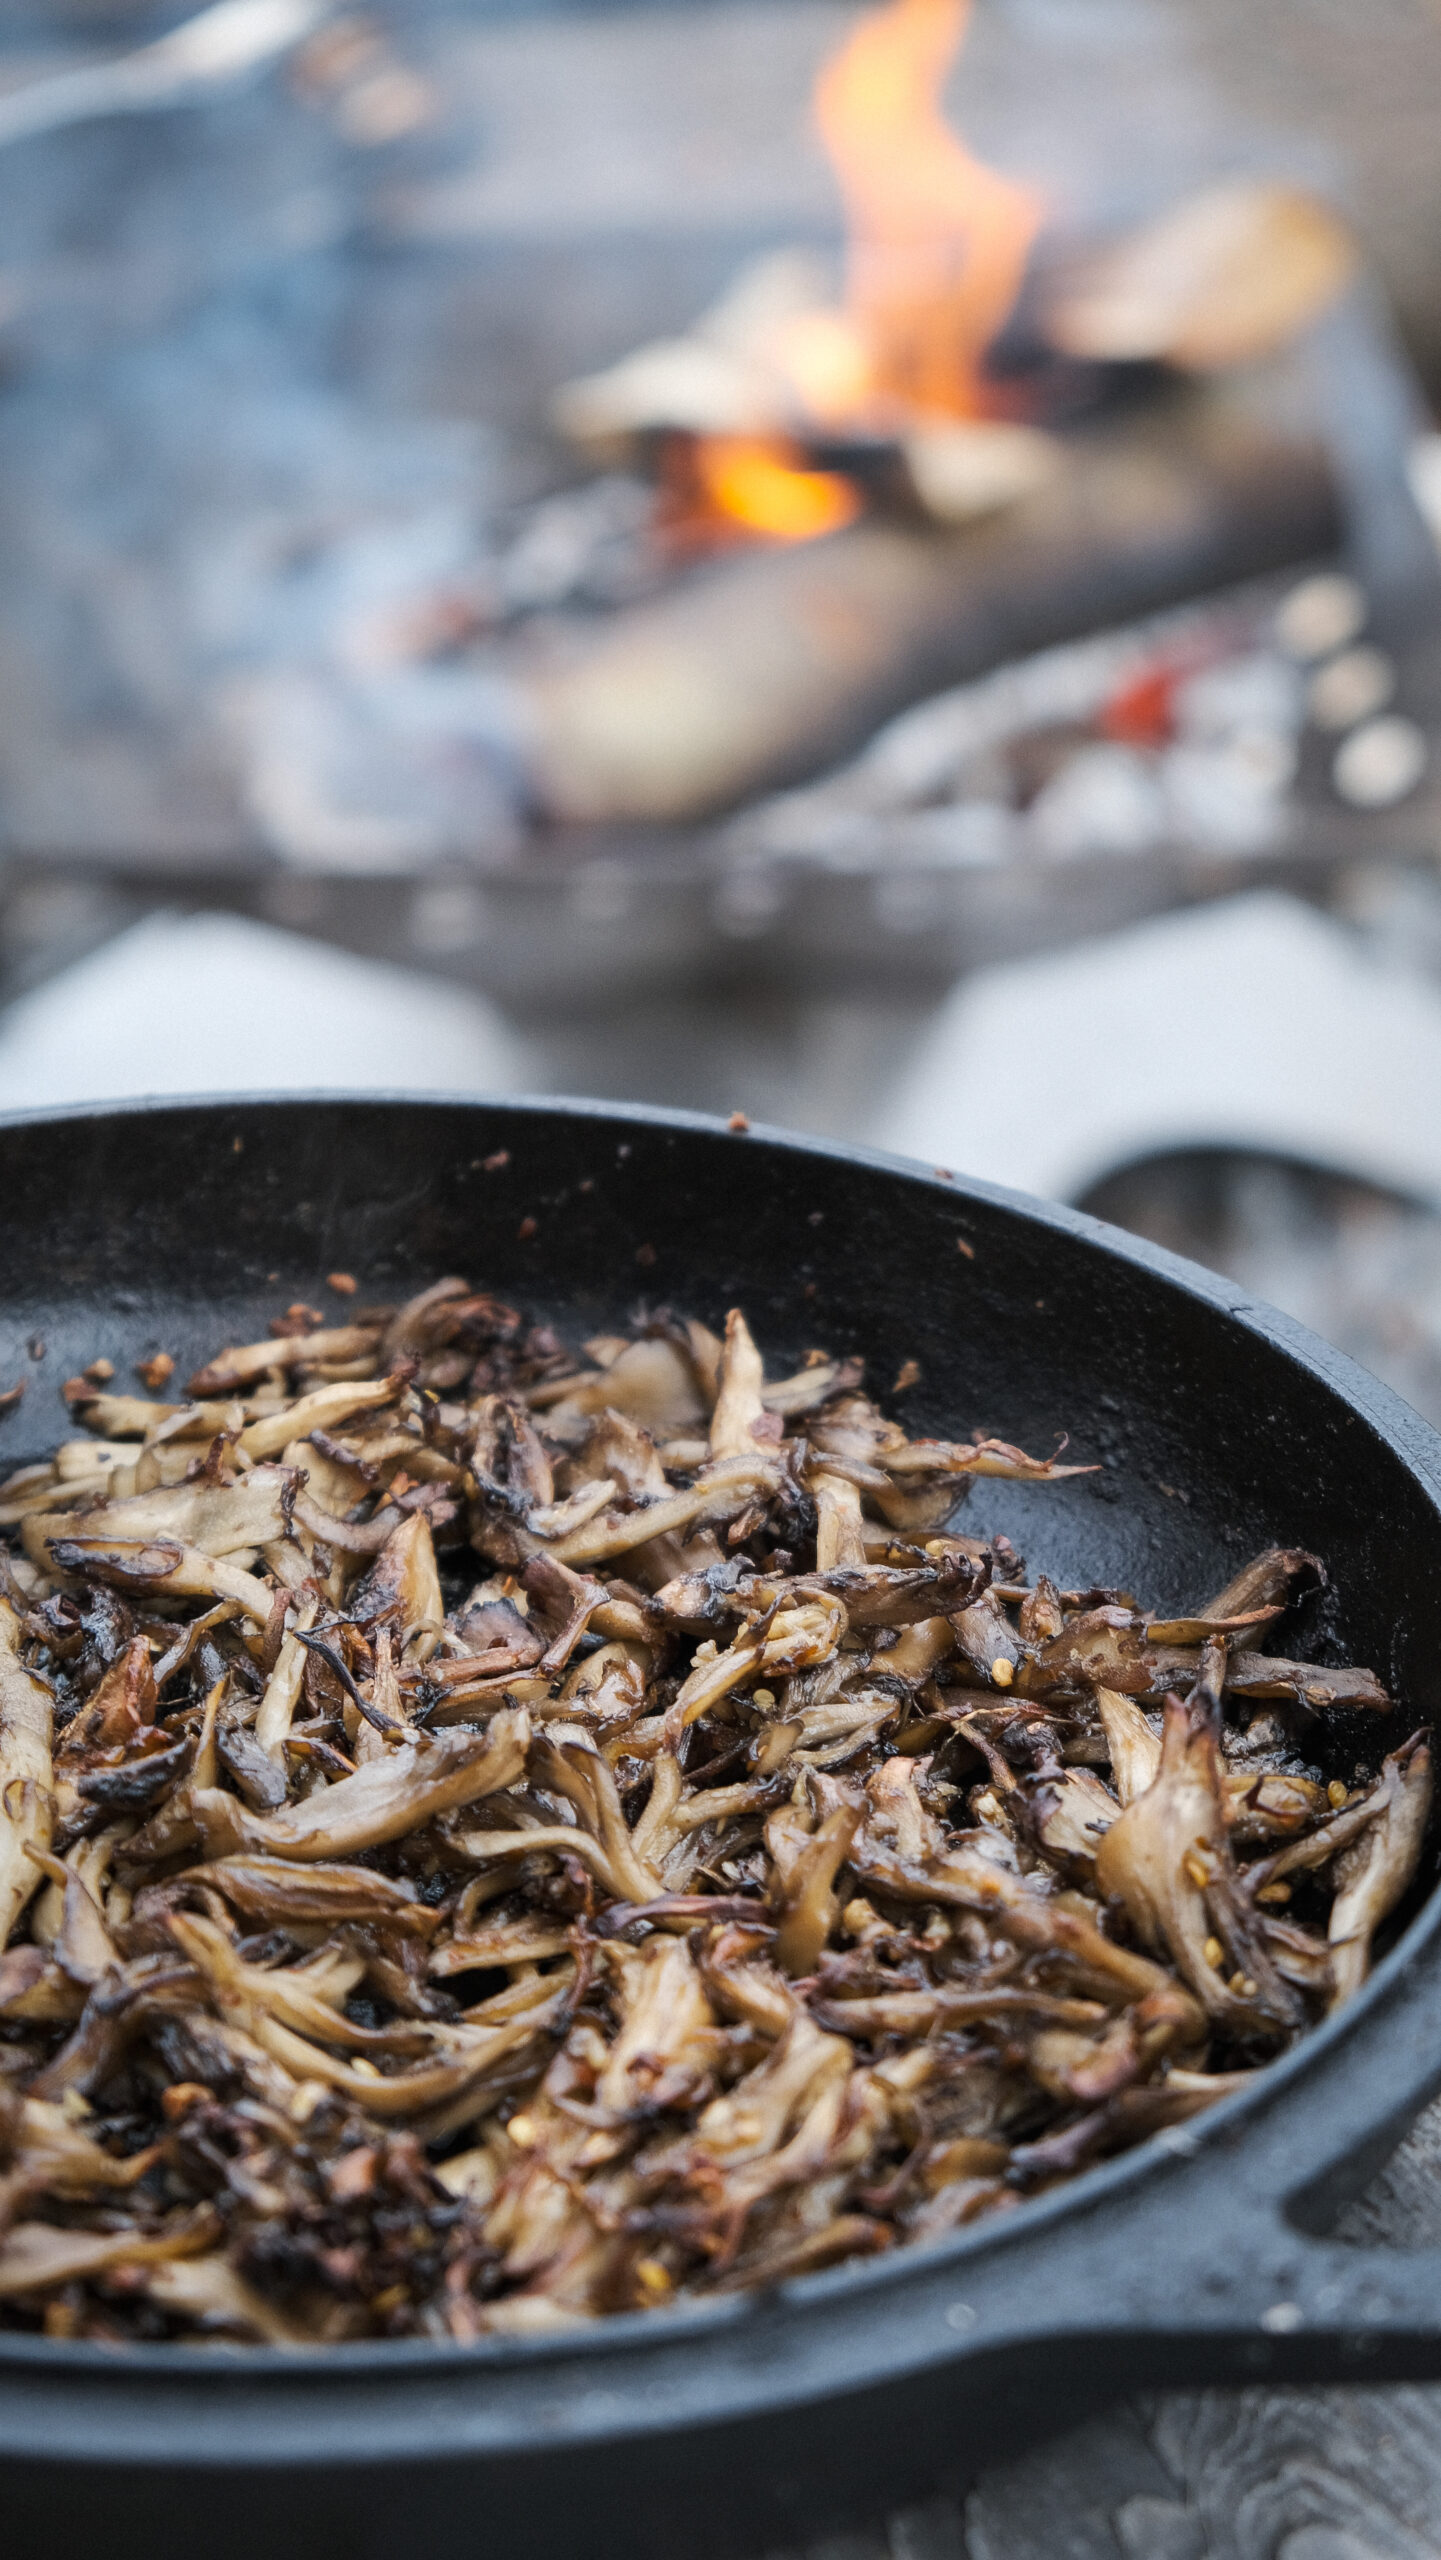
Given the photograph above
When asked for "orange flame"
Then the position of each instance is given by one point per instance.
(937, 252)
(938, 242)
(757, 485)
(761, 482)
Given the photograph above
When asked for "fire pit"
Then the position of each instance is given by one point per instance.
(475, 479)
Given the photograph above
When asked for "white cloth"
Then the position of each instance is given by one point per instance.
(218, 1004)
(1255, 1023)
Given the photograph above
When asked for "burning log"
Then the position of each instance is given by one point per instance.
(776, 661)
(1226, 277)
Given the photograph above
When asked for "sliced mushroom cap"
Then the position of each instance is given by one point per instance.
(26, 1799)
(1373, 1872)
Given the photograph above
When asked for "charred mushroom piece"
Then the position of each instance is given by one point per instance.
(1312, 1685)
(1072, 1814)
(1267, 1582)
(807, 1857)
(240, 1367)
(403, 1584)
(1168, 1859)
(1373, 1872)
(26, 1800)
(162, 1568)
(738, 1406)
(221, 1520)
(1134, 1747)
(382, 1802)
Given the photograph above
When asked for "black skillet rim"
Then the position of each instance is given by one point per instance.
(595, 2352)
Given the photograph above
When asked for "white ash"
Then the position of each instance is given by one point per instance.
(590, 545)
(1257, 694)
(941, 781)
(1320, 615)
(1105, 799)
(1381, 763)
(1230, 797)
(1351, 687)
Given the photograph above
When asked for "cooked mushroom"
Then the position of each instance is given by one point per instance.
(1374, 1871)
(746, 1871)
(26, 1802)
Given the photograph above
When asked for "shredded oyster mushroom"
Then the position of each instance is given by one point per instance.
(492, 1836)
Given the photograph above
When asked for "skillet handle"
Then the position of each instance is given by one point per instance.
(1317, 2307)
(1367, 2313)
(1229, 2271)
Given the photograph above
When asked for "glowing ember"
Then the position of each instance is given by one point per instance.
(938, 242)
(761, 484)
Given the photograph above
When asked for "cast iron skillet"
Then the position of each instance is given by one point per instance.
(754, 2422)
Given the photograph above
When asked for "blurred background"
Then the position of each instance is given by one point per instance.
(871, 565)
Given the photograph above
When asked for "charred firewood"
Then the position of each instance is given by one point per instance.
(780, 660)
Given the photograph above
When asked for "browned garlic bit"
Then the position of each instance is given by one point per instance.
(492, 1836)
